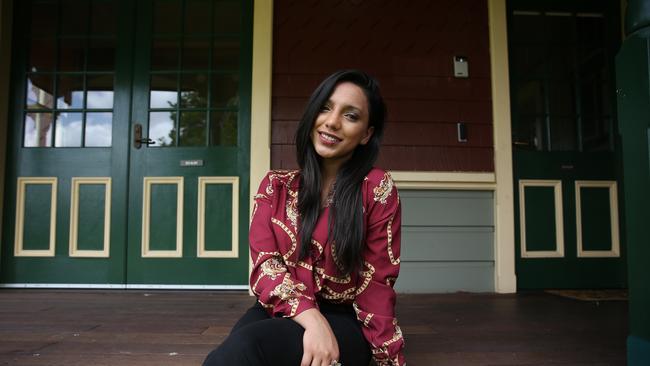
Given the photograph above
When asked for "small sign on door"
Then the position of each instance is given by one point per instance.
(197, 162)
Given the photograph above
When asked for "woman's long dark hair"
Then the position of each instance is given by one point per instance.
(346, 209)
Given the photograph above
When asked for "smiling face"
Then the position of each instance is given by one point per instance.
(342, 124)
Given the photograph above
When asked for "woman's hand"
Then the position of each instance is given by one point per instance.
(319, 344)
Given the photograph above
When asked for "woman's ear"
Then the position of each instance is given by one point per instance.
(369, 133)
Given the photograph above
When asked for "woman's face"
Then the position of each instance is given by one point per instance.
(342, 124)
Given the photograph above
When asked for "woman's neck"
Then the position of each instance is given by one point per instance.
(328, 177)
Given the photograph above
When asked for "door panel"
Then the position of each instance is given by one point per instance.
(188, 204)
(565, 155)
(66, 188)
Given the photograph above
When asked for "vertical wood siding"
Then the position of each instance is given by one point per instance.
(408, 46)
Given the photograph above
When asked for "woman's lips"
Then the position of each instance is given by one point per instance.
(328, 139)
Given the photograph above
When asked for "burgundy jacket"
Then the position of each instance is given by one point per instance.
(286, 286)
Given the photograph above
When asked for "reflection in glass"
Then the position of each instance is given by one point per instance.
(39, 92)
(103, 17)
(528, 26)
(530, 60)
(74, 16)
(196, 54)
(71, 55)
(100, 91)
(163, 91)
(197, 16)
(99, 129)
(225, 90)
(564, 134)
(101, 55)
(193, 129)
(161, 128)
(591, 30)
(68, 129)
(38, 130)
(227, 16)
(43, 18)
(558, 28)
(166, 19)
(560, 61)
(528, 133)
(530, 97)
(70, 92)
(194, 91)
(223, 128)
(42, 54)
(164, 54)
(595, 113)
(561, 99)
(225, 55)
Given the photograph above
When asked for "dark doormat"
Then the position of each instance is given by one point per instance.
(592, 295)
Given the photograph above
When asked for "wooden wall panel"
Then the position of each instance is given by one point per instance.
(409, 47)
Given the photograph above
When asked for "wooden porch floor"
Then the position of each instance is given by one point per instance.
(55, 327)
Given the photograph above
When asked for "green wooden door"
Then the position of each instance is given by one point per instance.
(79, 189)
(65, 198)
(188, 196)
(565, 150)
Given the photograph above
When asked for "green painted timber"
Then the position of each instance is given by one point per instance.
(595, 213)
(92, 207)
(637, 15)
(163, 216)
(447, 241)
(36, 224)
(218, 218)
(540, 219)
(633, 73)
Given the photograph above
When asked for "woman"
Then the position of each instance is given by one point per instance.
(325, 243)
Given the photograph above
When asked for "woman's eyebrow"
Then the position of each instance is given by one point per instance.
(345, 106)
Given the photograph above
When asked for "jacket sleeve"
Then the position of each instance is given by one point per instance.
(272, 280)
(375, 300)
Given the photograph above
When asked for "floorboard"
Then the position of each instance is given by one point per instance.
(88, 327)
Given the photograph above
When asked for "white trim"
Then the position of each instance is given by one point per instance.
(74, 217)
(19, 250)
(146, 217)
(122, 286)
(201, 252)
(262, 74)
(505, 278)
(444, 180)
(261, 78)
(559, 218)
(613, 220)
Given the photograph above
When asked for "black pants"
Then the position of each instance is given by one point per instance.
(258, 340)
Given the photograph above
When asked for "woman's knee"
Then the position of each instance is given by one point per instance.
(238, 349)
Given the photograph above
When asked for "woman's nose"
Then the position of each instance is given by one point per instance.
(333, 121)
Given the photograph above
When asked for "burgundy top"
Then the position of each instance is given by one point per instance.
(286, 286)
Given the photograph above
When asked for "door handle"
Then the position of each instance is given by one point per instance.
(138, 140)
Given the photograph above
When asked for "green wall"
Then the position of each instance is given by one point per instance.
(633, 89)
(5, 63)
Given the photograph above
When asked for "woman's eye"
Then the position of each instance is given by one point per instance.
(351, 116)
(324, 108)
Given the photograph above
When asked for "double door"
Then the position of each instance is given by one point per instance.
(129, 150)
(566, 152)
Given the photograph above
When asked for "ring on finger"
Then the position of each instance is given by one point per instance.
(335, 363)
